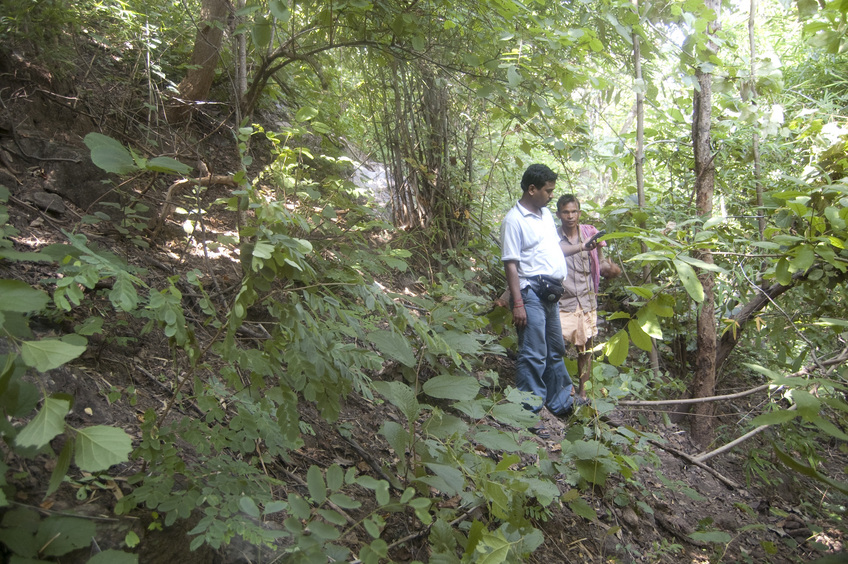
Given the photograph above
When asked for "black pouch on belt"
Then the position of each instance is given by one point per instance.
(547, 288)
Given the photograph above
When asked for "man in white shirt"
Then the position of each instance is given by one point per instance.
(531, 252)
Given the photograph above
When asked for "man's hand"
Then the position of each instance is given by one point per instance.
(519, 316)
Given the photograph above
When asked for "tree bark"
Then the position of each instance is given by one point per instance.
(197, 82)
(702, 427)
(755, 140)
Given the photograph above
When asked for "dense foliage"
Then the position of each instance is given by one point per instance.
(455, 100)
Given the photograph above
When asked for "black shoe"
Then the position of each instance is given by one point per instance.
(541, 431)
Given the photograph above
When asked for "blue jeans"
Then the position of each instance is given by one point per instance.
(539, 368)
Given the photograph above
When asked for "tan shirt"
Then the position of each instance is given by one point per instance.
(578, 284)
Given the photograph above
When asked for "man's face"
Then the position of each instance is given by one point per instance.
(541, 196)
(569, 214)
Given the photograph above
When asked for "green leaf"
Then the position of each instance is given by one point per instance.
(401, 396)
(345, 501)
(700, 264)
(315, 482)
(49, 423)
(335, 477)
(690, 280)
(109, 155)
(616, 348)
(168, 166)
(63, 463)
(280, 10)
(452, 387)
(394, 346)
(248, 506)
(112, 556)
(583, 509)
(100, 447)
(774, 417)
(638, 336)
(804, 258)
(21, 297)
(306, 113)
(61, 535)
(261, 32)
(48, 354)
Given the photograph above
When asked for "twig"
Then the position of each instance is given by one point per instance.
(731, 444)
(696, 400)
(693, 460)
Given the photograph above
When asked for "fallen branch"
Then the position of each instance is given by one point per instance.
(733, 443)
(696, 400)
(694, 460)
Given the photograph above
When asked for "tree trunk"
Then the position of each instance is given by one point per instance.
(755, 141)
(207, 44)
(702, 428)
(640, 166)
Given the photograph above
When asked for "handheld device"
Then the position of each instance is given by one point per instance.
(594, 238)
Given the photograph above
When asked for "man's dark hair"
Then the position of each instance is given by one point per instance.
(566, 199)
(537, 175)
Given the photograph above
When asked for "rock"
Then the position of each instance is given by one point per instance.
(47, 202)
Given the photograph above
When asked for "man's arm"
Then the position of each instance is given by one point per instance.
(519, 316)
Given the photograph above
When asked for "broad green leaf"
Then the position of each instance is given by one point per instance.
(583, 509)
(61, 535)
(112, 556)
(641, 291)
(306, 113)
(335, 477)
(280, 10)
(394, 346)
(514, 414)
(781, 272)
(275, 507)
(21, 297)
(48, 354)
(649, 323)
(774, 417)
(495, 549)
(261, 32)
(345, 501)
(109, 155)
(401, 396)
(452, 477)
(452, 387)
(808, 404)
(690, 280)
(316, 484)
(617, 347)
(45, 426)
(804, 258)
(249, 507)
(168, 166)
(496, 440)
(638, 336)
(100, 447)
(700, 264)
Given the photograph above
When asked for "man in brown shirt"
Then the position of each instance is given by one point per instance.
(578, 307)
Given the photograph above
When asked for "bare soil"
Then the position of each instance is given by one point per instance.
(774, 516)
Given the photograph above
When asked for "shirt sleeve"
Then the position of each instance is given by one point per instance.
(510, 239)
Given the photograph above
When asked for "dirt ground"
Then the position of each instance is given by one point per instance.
(647, 517)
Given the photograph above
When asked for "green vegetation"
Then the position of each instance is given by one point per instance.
(455, 100)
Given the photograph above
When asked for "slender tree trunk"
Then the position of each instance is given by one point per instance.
(755, 141)
(702, 427)
(207, 45)
(640, 166)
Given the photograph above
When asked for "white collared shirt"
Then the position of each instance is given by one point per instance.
(533, 241)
